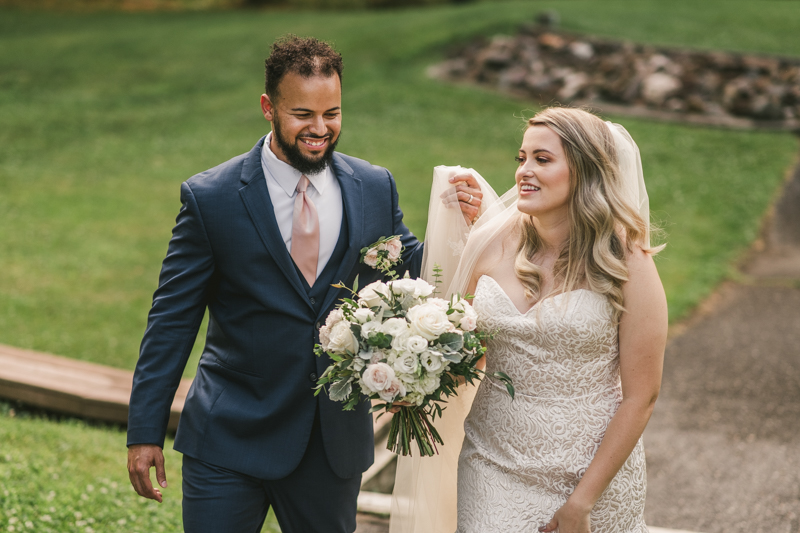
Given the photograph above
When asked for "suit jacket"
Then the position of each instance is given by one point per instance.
(251, 406)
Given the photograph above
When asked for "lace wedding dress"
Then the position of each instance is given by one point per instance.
(522, 459)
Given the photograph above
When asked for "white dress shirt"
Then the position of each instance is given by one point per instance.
(324, 191)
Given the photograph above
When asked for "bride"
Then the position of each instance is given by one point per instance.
(561, 268)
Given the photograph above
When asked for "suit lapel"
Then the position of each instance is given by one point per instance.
(255, 196)
(353, 209)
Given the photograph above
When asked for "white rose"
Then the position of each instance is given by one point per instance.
(440, 303)
(335, 316)
(468, 323)
(395, 327)
(415, 288)
(395, 390)
(363, 314)
(428, 320)
(400, 342)
(395, 247)
(371, 257)
(377, 377)
(406, 363)
(324, 337)
(341, 338)
(431, 361)
(358, 364)
(377, 357)
(416, 344)
(369, 295)
(369, 328)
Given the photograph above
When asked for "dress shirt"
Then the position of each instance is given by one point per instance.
(324, 191)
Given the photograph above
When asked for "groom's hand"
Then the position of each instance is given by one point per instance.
(469, 195)
(141, 457)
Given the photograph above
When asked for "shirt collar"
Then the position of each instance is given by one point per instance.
(286, 175)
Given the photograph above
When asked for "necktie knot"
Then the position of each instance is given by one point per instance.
(302, 185)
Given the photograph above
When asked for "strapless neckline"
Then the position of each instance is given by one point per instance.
(537, 304)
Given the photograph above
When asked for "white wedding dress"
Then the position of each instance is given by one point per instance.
(521, 459)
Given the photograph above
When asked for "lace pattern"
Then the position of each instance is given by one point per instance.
(521, 460)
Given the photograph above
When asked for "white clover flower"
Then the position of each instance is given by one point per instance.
(428, 320)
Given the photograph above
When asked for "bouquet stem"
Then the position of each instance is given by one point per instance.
(413, 423)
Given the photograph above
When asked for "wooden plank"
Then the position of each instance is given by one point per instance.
(87, 389)
(73, 387)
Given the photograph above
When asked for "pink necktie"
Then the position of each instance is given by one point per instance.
(305, 233)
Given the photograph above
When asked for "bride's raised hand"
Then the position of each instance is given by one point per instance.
(467, 192)
(570, 518)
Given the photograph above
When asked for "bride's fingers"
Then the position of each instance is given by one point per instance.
(550, 526)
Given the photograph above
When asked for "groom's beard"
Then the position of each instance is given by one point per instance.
(298, 160)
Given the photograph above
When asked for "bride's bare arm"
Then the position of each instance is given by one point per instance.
(642, 340)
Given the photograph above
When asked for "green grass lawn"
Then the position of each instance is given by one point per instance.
(103, 115)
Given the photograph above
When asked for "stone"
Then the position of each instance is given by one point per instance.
(581, 50)
(549, 64)
(573, 83)
(659, 86)
(553, 41)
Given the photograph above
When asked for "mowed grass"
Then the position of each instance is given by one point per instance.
(103, 115)
(68, 476)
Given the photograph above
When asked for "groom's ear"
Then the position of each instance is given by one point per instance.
(267, 107)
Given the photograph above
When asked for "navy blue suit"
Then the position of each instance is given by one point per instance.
(251, 408)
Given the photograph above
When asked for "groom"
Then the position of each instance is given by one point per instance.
(258, 242)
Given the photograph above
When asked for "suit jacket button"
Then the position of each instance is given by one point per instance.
(313, 301)
(313, 377)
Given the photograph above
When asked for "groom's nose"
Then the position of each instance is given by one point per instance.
(317, 126)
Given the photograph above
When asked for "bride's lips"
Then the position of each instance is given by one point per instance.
(526, 189)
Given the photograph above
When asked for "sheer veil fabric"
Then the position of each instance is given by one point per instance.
(424, 498)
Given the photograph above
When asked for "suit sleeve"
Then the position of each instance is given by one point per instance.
(412, 255)
(178, 307)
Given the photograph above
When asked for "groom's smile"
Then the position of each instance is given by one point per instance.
(306, 120)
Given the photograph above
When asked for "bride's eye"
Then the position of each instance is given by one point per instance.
(518, 159)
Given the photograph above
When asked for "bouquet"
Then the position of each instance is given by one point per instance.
(398, 342)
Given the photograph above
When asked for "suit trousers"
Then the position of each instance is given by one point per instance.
(310, 499)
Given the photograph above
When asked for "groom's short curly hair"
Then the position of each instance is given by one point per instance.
(305, 56)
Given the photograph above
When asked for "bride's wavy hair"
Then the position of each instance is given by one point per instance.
(603, 225)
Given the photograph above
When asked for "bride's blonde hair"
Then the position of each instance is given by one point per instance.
(603, 225)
